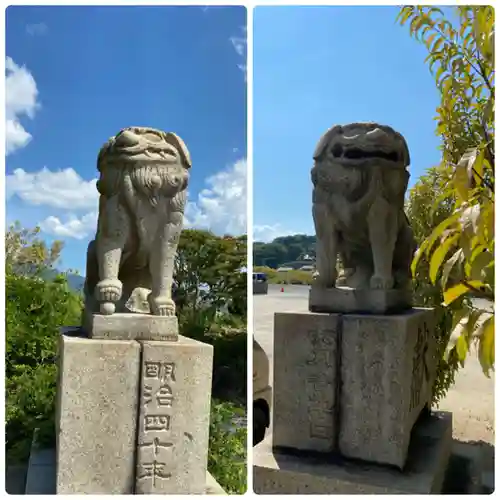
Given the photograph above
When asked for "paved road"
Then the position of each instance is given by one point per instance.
(471, 399)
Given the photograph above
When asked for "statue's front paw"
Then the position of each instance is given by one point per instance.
(162, 306)
(381, 282)
(109, 290)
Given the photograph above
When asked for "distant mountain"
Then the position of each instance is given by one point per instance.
(75, 281)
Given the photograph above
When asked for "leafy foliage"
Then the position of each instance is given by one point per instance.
(34, 311)
(423, 219)
(283, 249)
(24, 250)
(206, 259)
(227, 451)
(461, 57)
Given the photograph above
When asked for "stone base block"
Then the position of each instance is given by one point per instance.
(348, 300)
(387, 370)
(97, 405)
(278, 473)
(132, 417)
(131, 326)
(305, 381)
(40, 478)
(174, 417)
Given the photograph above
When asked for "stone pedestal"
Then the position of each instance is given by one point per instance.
(387, 371)
(174, 417)
(306, 381)
(96, 418)
(132, 416)
(296, 474)
(350, 387)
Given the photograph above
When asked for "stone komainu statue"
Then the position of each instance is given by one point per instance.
(143, 179)
(360, 178)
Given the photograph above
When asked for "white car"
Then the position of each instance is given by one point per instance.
(262, 393)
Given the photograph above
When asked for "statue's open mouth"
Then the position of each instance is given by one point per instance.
(350, 153)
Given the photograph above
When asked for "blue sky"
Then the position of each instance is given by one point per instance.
(319, 66)
(77, 75)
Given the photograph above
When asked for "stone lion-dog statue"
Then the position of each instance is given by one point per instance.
(360, 177)
(144, 175)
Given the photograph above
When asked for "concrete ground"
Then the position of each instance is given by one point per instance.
(471, 399)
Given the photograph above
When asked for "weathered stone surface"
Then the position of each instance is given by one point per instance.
(142, 185)
(305, 381)
(280, 473)
(352, 300)
(360, 177)
(174, 414)
(122, 326)
(41, 475)
(96, 415)
(387, 370)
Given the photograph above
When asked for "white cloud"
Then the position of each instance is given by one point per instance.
(240, 44)
(37, 29)
(73, 227)
(60, 189)
(222, 207)
(267, 233)
(21, 95)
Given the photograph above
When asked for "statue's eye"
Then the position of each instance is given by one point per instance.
(153, 137)
(337, 150)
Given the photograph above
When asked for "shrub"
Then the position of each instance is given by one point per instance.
(35, 310)
(293, 277)
(228, 446)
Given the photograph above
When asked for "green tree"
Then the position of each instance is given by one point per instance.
(24, 250)
(283, 249)
(461, 57)
(216, 262)
(35, 309)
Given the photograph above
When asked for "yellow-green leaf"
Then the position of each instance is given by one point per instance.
(458, 328)
(462, 349)
(448, 267)
(439, 255)
(418, 254)
(487, 345)
(457, 291)
(439, 230)
(481, 259)
(438, 44)
(430, 39)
